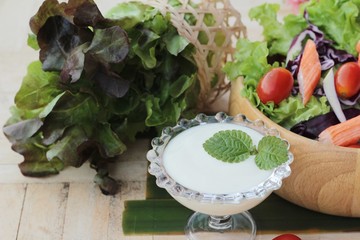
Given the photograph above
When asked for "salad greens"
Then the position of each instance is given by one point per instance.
(251, 61)
(332, 24)
(100, 81)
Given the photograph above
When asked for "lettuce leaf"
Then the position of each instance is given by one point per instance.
(340, 21)
(100, 82)
(292, 111)
(277, 34)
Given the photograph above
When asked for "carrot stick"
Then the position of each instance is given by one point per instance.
(343, 134)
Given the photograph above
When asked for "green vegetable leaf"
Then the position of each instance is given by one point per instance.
(144, 48)
(230, 146)
(159, 24)
(250, 61)
(66, 148)
(175, 43)
(86, 14)
(180, 85)
(22, 129)
(74, 64)
(38, 88)
(292, 111)
(57, 38)
(99, 83)
(35, 163)
(339, 20)
(155, 114)
(110, 45)
(110, 143)
(50, 106)
(48, 9)
(278, 35)
(32, 42)
(112, 84)
(128, 14)
(272, 152)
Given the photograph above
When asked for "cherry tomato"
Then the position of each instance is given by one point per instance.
(287, 236)
(275, 85)
(347, 80)
(355, 145)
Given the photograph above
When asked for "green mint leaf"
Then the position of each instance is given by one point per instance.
(230, 146)
(272, 152)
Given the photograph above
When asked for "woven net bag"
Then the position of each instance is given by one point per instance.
(214, 29)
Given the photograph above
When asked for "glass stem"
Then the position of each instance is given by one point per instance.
(220, 222)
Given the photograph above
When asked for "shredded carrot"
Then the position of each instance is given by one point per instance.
(343, 134)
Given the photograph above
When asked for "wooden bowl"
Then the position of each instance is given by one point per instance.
(324, 178)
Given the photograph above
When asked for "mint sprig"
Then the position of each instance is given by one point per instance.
(230, 146)
(234, 146)
(272, 152)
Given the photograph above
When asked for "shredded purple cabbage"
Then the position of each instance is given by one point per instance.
(314, 126)
(329, 56)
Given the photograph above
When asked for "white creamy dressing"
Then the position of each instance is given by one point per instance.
(189, 164)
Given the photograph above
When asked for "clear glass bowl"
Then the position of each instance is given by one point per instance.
(216, 211)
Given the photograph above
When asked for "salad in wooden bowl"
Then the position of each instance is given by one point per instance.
(303, 79)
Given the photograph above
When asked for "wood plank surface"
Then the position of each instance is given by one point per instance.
(11, 205)
(89, 210)
(43, 212)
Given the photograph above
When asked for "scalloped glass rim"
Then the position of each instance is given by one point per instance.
(163, 180)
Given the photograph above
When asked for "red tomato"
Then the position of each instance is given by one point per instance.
(355, 145)
(275, 85)
(347, 80)
(287, 236)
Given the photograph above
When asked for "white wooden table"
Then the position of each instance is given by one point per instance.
(69, 206)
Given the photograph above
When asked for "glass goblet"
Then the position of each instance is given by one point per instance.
(221, 204)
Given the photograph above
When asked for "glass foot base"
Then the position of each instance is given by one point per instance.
(238, 226)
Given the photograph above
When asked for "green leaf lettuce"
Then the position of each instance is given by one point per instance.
(100, 82)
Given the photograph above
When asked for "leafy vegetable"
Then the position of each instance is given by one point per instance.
(338, 19)
(278, 35)
(235, 146)
(99, 83)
